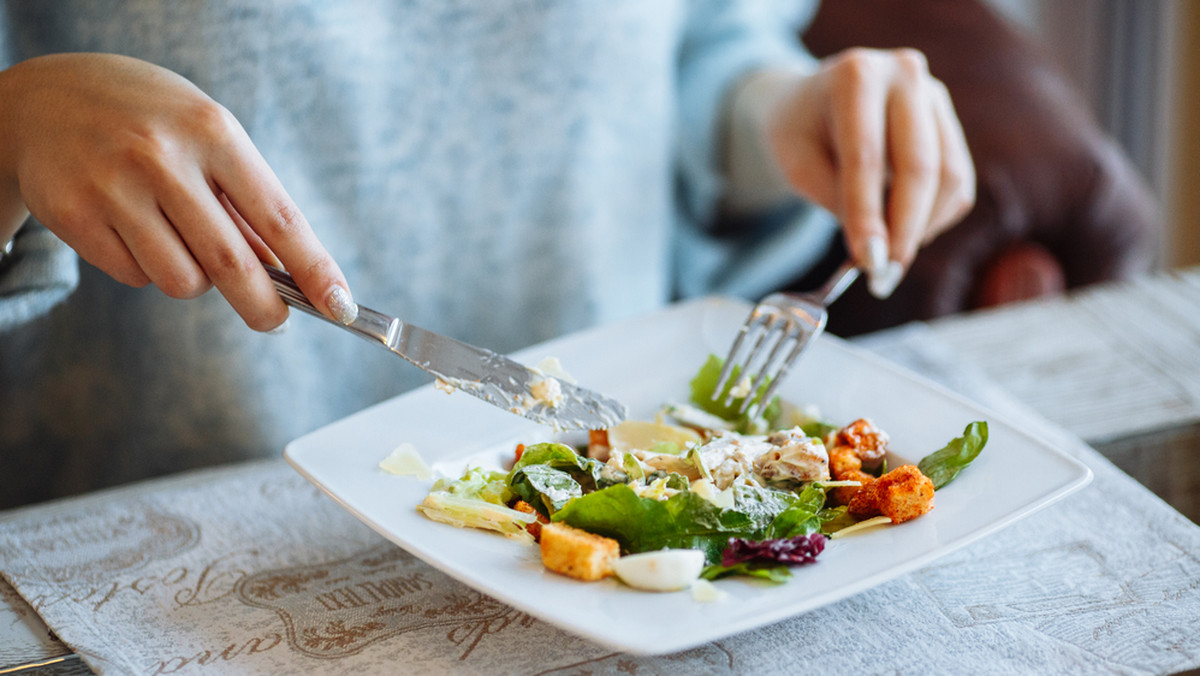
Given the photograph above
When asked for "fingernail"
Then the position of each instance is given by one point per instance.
(883, 284)
(877, 256)
(282, 328)
(341, 305)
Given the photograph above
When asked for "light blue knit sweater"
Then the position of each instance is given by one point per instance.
(502, 171)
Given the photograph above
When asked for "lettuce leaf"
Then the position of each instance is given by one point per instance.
(586, 471)
(549, 475)
(705, 383)
(546, 489)
(834, 519)
(477, 484)
(818, 429)
(469, 512)
(802, 517)
(942, 466)
(688, 521)
(777, 573)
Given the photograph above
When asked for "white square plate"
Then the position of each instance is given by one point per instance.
(645, 363)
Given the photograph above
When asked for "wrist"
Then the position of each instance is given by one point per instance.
(755, 180)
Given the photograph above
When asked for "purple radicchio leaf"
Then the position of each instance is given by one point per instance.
(790, 551)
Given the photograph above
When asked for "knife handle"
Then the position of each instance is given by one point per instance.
(371, 325)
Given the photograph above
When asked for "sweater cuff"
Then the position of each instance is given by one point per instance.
(755, 183)
(37, 273)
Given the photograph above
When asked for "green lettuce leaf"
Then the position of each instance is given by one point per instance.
(777, 573)
(688, 521)
(834, 519)
(705, 383)
(942, 466)
(818, 429)
(588, 473)
(477, 484)
(546, 489)
(801, 517)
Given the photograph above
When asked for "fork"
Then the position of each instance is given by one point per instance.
(778, 321)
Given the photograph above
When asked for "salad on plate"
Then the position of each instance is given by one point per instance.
(700, 493)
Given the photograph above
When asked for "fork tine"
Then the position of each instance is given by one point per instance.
(727, 368)
(767, 329)
(775, 321)
(802, 342)
(752, 323)
(788, 332)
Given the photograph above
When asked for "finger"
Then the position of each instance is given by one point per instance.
(857, 126)
(259, 247)
(956, 189)
(158, 249)
(256, 193)
(811, 172)
(222, 252)
(88, 235)
(109, 253)
(915, 159)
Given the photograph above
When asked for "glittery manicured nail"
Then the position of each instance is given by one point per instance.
(882, 285)
(282, 328)
(877, 256)
(341, 305)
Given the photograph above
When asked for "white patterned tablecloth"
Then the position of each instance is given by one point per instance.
(249, 569)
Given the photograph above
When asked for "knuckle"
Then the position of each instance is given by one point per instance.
(864, 219)
(149, 150)
(129, 274)
(212, 120)
(284, 221)
(72, 215)
(229, 265)
(266, 318)
(862, 159)
(319, 272)
(918, 166)
(953, 181)
(856, 66)
(183, 285)
(911, 62)
(277, 315)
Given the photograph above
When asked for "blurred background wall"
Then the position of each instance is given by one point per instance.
(1137, 63)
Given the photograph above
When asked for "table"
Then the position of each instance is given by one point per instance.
(1116, 365)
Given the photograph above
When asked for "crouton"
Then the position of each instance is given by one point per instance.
(577, 553)
(598, 448)
(534, 527)
(902, 495)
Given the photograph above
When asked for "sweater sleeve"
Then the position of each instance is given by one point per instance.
(36, 275)
(723, 43)
(39, 270)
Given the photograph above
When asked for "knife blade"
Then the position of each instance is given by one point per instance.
(480, 372)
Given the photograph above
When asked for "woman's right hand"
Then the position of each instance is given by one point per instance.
(152, 181)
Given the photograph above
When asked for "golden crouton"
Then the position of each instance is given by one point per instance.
(577, 553)
(534, 527)
(902, 494)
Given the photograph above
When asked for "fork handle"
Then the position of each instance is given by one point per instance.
(371, 325)
(837, 283)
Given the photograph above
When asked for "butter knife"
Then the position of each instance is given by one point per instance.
(492, 377)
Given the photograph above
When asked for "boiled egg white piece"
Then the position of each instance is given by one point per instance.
(663, 570)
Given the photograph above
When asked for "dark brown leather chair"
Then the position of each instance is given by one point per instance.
(1058, 203)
